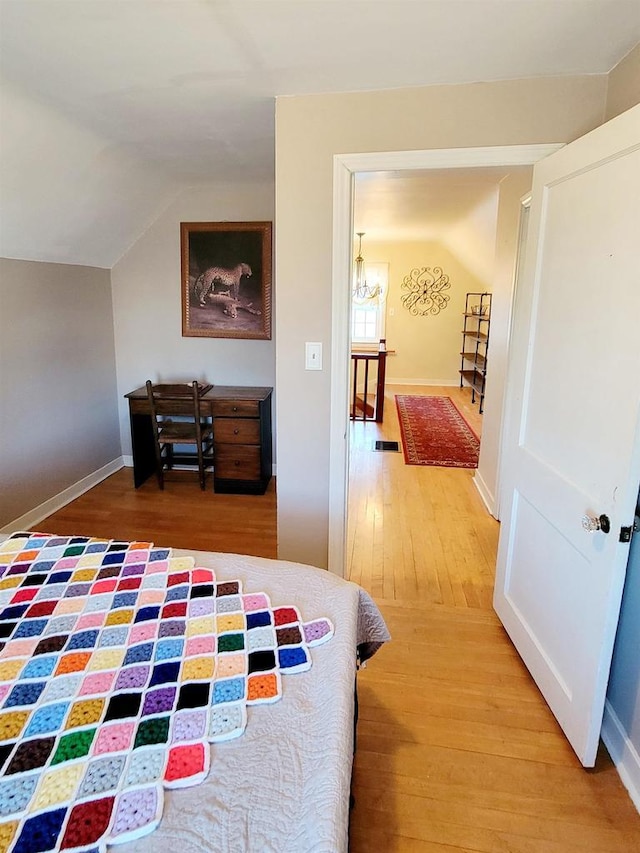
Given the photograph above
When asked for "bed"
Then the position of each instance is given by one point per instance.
(284, 784)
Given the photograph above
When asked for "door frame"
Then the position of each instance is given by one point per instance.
(523, 225)
(345, 167)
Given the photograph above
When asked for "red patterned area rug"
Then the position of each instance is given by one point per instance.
(435, 433)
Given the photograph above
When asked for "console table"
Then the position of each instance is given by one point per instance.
(242, 436)
(361, 404)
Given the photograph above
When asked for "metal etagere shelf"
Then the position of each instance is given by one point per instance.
(475, 345)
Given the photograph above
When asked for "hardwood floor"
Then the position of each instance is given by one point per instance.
(181, 516)
(417, 533)
(457, 750)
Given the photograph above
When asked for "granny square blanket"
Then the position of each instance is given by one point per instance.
(119, 664)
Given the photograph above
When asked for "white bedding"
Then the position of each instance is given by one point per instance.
(284, 784)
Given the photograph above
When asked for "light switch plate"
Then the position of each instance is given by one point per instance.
(313, 356)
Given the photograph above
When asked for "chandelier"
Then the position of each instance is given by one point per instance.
(362, 291)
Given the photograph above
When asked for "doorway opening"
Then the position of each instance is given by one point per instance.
(438, 236)
(347, 168)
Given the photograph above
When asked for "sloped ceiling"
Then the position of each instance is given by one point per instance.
(456, 207)
(154, 95)
(68, 194)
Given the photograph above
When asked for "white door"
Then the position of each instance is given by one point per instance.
(572, 431)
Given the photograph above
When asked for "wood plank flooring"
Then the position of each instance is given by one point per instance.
(417, 532)
(457, 750)
(181, 516)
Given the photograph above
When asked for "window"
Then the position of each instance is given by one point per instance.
(368, 315)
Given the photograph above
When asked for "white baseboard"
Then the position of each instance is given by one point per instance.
(485, 493)
(30, 519)
(623, 753)
(394, 380)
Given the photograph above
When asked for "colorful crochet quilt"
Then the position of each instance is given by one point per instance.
(119, 664)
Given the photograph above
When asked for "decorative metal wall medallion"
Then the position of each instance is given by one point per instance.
(425, 288)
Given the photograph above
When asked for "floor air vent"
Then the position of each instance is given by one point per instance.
(387, 445)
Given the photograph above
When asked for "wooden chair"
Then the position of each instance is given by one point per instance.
(165, 400)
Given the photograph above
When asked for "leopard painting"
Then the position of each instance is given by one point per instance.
(222, 277)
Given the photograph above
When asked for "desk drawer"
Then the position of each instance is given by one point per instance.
(235, 408)
(237, 462)
(237, 431)
(168, 407)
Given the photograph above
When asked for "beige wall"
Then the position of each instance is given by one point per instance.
(623, 91)
(310, 130)
(58, 420)
(147, 305)
(426, 347)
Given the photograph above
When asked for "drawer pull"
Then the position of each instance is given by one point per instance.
(235, 408)
(236, 431)
(237, 462)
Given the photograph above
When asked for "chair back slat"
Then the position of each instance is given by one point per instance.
(170, 399)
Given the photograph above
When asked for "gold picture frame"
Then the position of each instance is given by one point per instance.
(226, 279)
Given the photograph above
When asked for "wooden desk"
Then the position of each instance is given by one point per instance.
(242, 436)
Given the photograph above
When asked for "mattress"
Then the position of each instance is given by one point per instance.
(283, 785)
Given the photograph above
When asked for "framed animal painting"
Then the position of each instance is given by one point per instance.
(226, 279)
